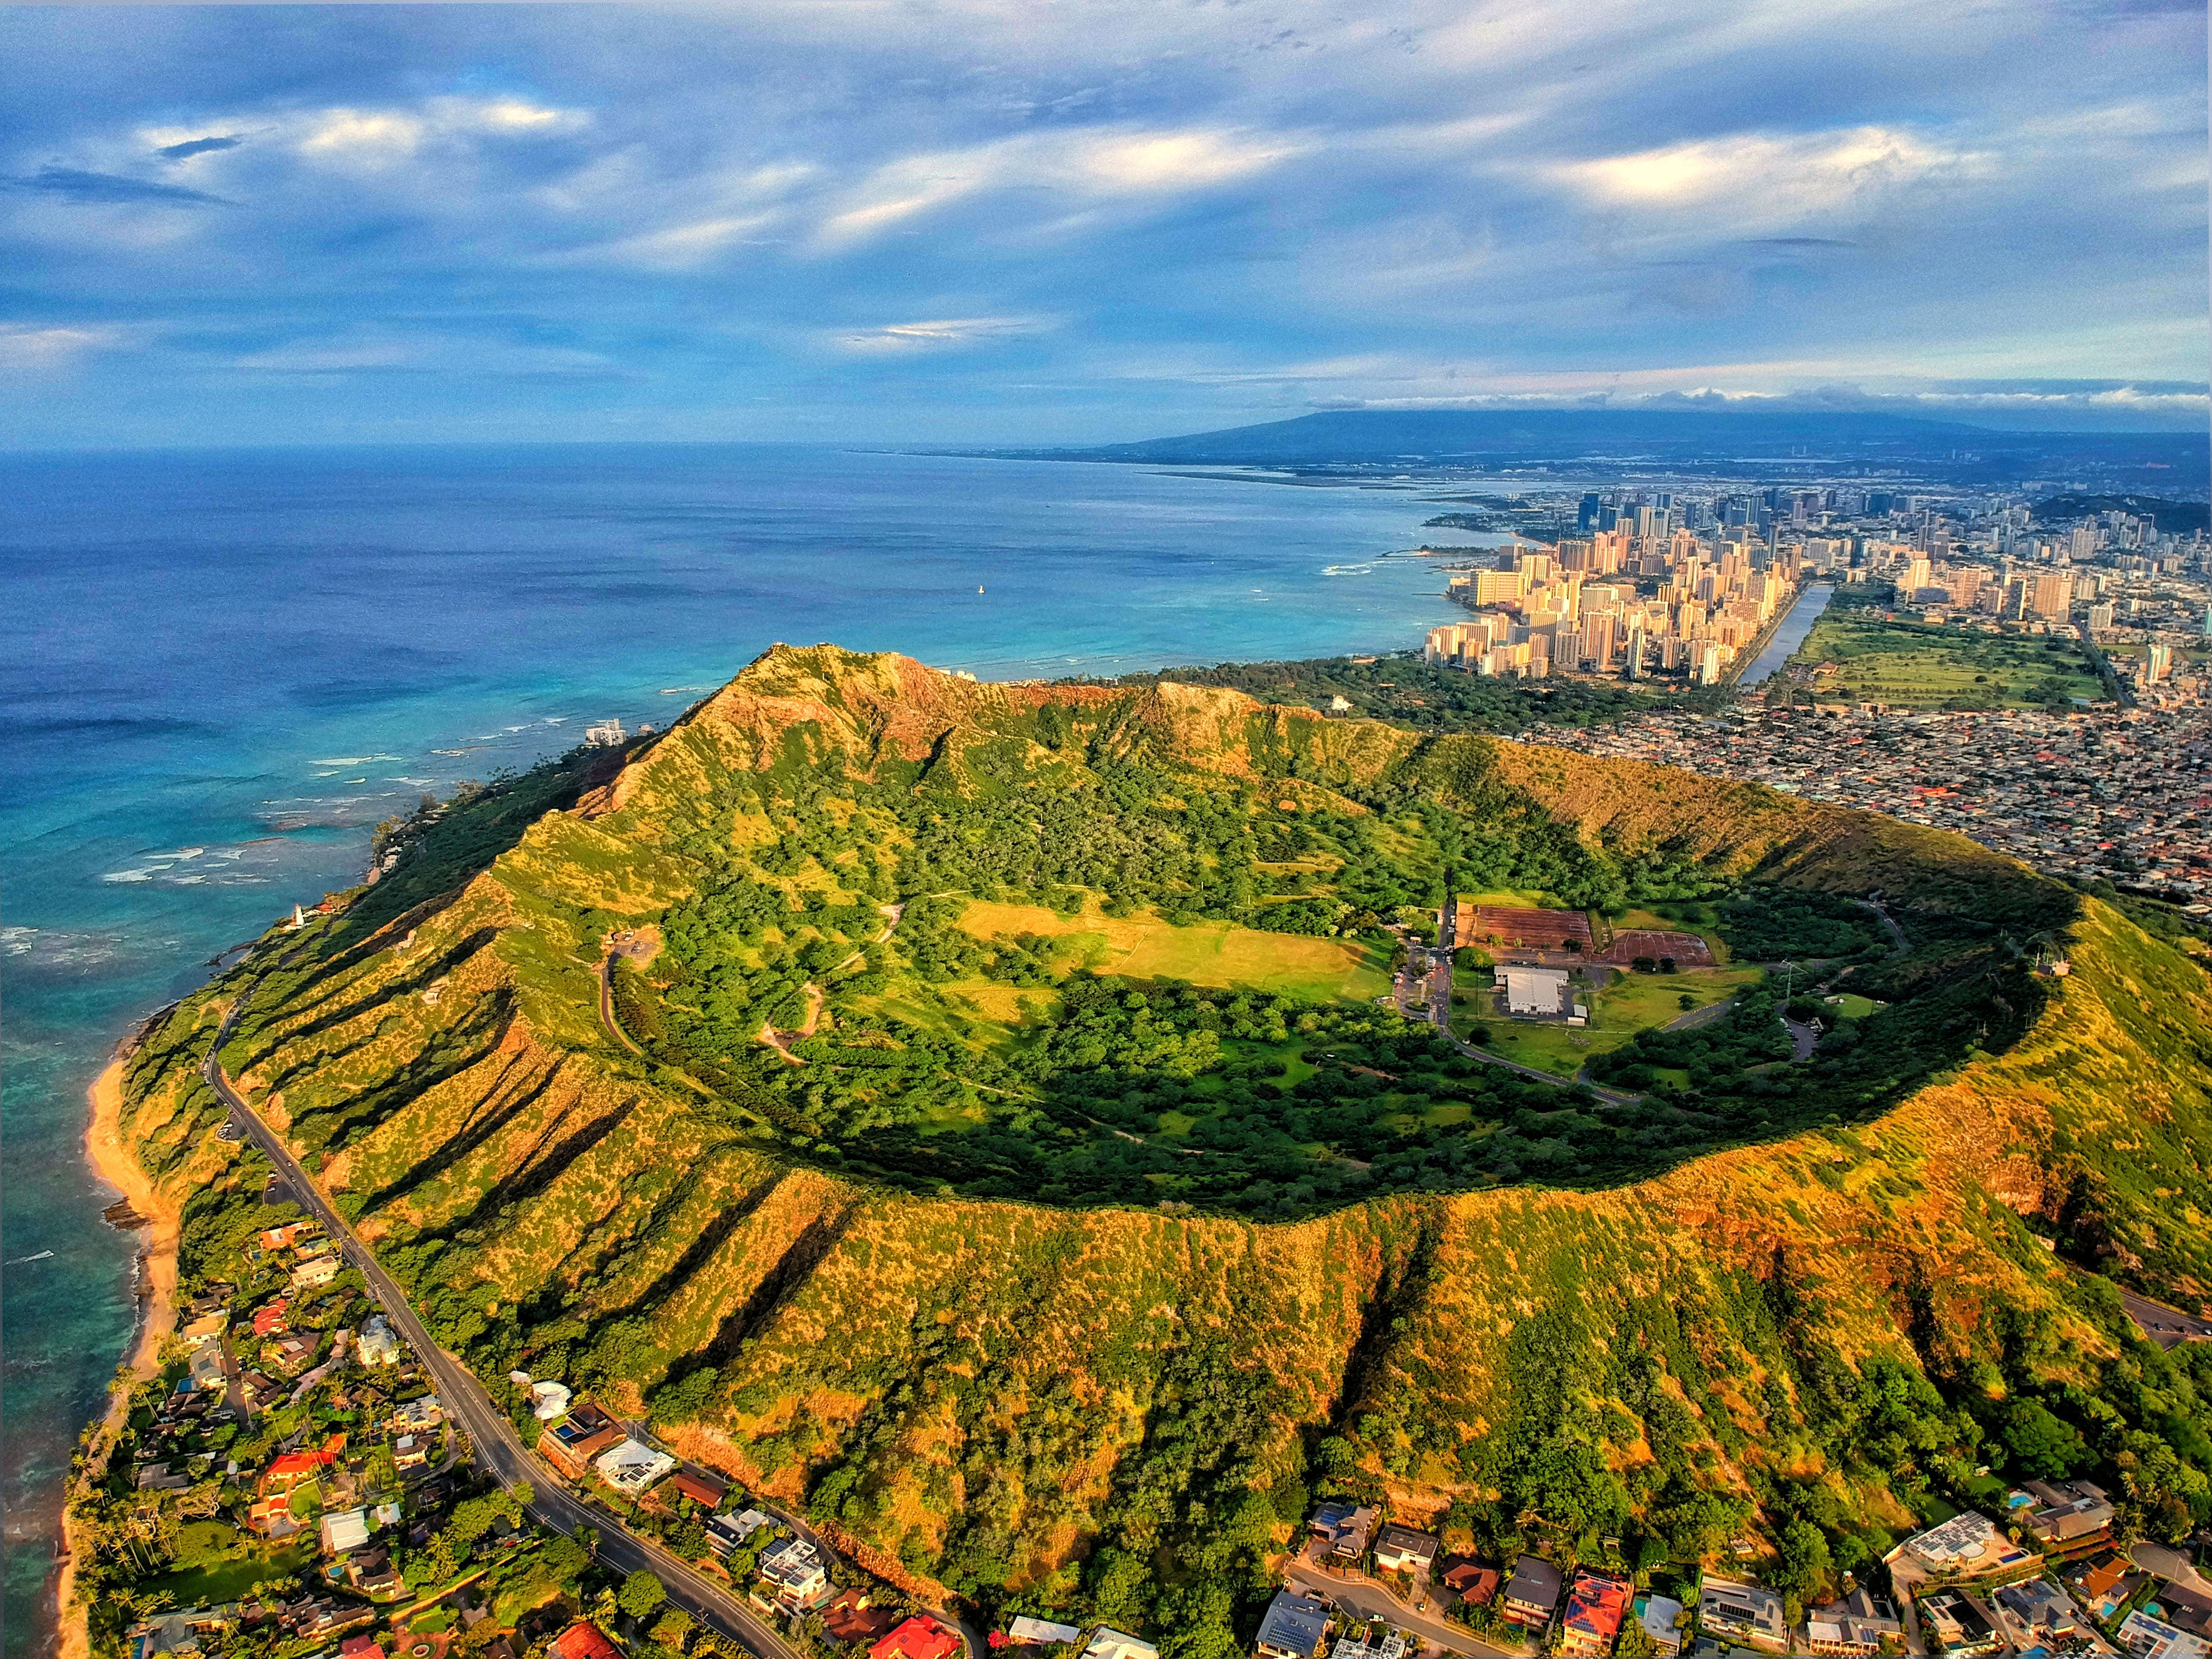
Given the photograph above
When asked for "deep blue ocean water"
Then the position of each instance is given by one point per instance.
(217, 671)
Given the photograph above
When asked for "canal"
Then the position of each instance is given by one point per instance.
(1787, 638)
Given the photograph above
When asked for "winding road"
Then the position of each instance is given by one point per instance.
(498, 1449)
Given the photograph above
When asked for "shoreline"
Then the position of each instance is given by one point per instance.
(113, 1162)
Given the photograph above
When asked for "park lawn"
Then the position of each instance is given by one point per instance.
(229, 1581)
(1924, 666)
(1217, 953)
(1632, 1004)
(1559, 1049)
(1638, 1001)
(1851, 1005)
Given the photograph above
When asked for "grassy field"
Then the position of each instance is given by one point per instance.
(227, 1581)
(1852, 1006)
(1618, 1013)
(1925, 667)
(1209, 953)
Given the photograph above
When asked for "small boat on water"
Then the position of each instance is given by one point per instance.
(20, 1260)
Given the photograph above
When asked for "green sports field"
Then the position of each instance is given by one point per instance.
(1919, 666)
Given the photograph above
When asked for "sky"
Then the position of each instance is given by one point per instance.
(915, 222)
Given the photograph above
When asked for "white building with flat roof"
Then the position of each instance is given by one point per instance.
(1537, 991)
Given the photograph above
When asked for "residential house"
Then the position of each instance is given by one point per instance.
(1958, 1625)
(632, 1466)
(411, 1451)
(918, 1638)
(207, 1369)
(2065, 1513)
(2103, 1584)
(548, 1401)
(316, 1271)
(1743, 1612)
(571, 1444)
(1660, 1616)
(1293, 1627)
(852, 1617)
(178, 1631)
(268, 1320)
(1597, 1603)
(1468, 1581)
(1859, 1625)
(1967, 1546)
(2182, 1606)
(1531, 1594)
(207, 1328)
(706, 1491)
(1392, 1646)
(2041, 1616)
(2146, 1638)
(345, 1531)
(1340, 1533)
(1400, 1549)
(284, 1237)
(794, 1575)
(1042, 1633)
(415, 1416)
(286, 1353)
(1107, 1643)
(581, 1640)
(725, 1533)
(371, 1572)
(363, 1646)
(379, 1344)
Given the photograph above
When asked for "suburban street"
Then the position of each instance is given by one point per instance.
(497, 1448)
(1366, 1600)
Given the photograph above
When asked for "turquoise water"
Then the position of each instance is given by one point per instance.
(218, 671)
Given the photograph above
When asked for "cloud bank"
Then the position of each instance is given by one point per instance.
(982, 223)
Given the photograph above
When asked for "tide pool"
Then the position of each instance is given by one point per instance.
(218, 671)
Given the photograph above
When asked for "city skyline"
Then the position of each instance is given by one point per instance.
(993, 224)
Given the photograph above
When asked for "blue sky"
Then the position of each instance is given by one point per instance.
(916, 221)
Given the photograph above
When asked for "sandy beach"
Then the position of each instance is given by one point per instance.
(157, 1249)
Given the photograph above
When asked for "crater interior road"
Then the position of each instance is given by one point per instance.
(498, 1449)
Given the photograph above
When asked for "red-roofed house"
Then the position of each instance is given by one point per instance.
(581, 1640)
(920, 1637)
(361, 1647)
(269, 1319)
(1595, 1611)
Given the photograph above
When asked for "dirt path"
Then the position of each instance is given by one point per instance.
(781, 1041)
(113, 1161)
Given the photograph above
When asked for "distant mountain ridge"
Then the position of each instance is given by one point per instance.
(1371, 436)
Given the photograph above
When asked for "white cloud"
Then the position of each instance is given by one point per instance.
(946, 334)
(1113, 162)
(381, 137)
(1763, 177)
(422, 354)
(27, 347)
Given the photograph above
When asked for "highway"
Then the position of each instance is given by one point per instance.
(498, 1449)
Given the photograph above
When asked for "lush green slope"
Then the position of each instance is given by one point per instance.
(1117, 1403)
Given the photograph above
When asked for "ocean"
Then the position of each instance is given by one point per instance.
(219, 670)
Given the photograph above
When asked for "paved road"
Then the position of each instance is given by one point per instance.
(498, 1450)
(2168, 1563)
(1803, 1040)
(1896, 933)
(1704, 1016)
(1365, 1598)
